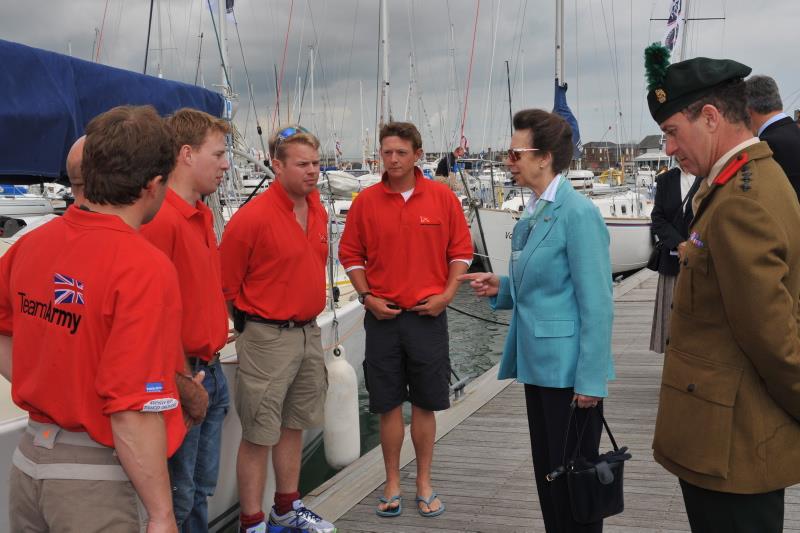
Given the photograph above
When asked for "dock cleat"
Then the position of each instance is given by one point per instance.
(299, 520)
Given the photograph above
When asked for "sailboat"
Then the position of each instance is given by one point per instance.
(627, 214)
(54, 98)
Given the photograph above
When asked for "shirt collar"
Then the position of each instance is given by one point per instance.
(182, 206)
(730, 153)
(82, 217)
(419, 182)
(549, 194)
(772, 120)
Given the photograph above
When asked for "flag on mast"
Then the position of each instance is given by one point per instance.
(673, 24)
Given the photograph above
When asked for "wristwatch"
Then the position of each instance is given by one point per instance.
(362, 296)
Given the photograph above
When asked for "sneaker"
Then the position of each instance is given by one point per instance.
(299, 518)
(261, 527)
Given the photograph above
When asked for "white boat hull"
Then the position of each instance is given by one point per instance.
(629, 249)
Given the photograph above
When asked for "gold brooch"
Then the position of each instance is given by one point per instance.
(661, 96)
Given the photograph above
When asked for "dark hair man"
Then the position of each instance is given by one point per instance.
(405, 242)
(446, 163)
(274, 252)
(732, 365)
(184, 230)
(88, 303)
(772, 125)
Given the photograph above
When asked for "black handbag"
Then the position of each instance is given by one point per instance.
(595, 487)
(655, 256)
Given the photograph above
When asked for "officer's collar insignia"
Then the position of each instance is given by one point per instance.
(661, 96)
(732, 168)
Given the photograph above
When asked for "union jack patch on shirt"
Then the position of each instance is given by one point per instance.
(67, 290)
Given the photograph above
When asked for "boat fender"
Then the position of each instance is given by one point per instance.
(341, 434)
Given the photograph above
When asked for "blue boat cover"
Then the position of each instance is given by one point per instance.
(46, 100)
(560, 107)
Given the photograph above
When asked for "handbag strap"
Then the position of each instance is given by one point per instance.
(572, 408)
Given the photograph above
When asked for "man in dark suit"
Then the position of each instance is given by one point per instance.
(771, 124)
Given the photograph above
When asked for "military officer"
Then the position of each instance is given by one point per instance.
(728, 419)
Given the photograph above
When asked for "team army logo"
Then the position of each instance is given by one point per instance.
(67, 290)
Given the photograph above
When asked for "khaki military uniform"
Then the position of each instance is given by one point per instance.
(729, 412)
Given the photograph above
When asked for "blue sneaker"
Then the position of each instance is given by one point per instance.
(299, 520)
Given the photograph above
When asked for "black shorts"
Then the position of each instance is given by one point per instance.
(407, 359)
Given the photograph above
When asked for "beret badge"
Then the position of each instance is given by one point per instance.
(661, 96)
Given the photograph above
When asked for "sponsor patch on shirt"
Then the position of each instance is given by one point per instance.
(154, 386)
(428, 221)
(160, 404)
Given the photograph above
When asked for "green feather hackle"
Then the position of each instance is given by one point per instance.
(656, 61)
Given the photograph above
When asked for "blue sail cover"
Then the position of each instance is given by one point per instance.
(560, 107)
(46, 100)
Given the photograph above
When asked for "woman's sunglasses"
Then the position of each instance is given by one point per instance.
(515, 153)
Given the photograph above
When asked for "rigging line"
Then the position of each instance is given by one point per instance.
(181, 64)
(349, 65)
(469, 69)
(219, 44)
(283, 64)
(100, 39)
(614, 58)
(188, 31)
(457, 310)
(299, 59)
(249, 84)
(147, 43)
(491, 71)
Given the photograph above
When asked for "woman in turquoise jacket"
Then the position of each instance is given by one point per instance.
(560, 290)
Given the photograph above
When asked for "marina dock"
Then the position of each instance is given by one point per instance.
(482, 462)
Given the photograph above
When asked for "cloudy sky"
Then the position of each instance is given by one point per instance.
(604, 40)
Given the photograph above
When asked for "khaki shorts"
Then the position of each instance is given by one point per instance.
(281, 380)
(85, 505)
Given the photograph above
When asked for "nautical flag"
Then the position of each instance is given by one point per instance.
(228, 6)
(673, 24)
(67, 290)
(560, 107)
(338, 148)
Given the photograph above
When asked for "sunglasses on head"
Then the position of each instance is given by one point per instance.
(291, 131)
(515, 153)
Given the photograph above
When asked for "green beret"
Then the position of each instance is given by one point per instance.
(677, 86)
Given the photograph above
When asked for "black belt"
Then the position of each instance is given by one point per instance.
(279, 323)
(196, 362)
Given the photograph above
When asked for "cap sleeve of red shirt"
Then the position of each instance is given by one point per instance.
(352, 250)
(136, 371)
(6, 312)
(460, 244)
(235, 249)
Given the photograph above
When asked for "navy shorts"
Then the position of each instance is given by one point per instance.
(407, 359)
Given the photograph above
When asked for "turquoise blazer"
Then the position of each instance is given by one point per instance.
(563, 308)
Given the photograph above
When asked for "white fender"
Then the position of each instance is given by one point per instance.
(342, 433)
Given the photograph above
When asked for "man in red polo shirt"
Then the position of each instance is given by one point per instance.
(183, 230)
(90, 304)
(405, 242)
(274, 252)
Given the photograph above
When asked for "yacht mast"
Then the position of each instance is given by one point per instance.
(560, 40)
(386, 106)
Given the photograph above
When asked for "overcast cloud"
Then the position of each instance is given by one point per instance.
(604, 40)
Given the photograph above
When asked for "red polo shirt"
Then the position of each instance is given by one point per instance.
(270, 267)
(90, 304)
(405, 246)
(185, 234)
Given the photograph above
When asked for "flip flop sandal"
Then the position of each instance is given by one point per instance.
(428, 502)
(390, 511)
